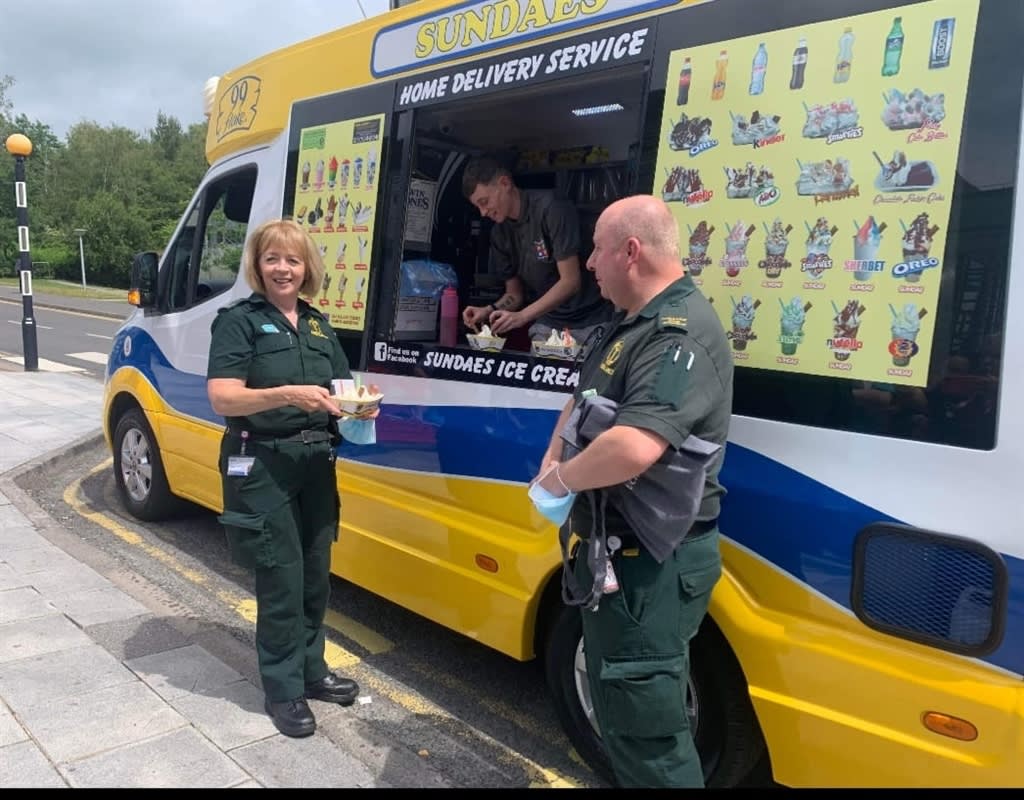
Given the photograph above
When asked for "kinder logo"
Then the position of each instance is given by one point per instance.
(767, 197)
(237, 107)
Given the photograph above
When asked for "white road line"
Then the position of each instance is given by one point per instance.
(100, 336)
(45, 365)
(95, 358)
(41, 327)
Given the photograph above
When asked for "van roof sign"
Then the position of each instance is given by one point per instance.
(622, 44)
(475, 27)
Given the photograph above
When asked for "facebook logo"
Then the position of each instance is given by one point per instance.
(380, 351)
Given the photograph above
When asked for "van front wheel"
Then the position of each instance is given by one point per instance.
(717, 701)
(139, 471)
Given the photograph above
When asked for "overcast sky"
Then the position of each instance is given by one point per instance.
(120, 62)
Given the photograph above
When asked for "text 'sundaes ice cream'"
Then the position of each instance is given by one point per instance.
(792, 324)
(819, 241)
(866, 242)
(735, 257)
(906, 324)
(698, 257)
(775, 244)
(743, 321)
(846, 325)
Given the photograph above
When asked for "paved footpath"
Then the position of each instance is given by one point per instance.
(98, 690)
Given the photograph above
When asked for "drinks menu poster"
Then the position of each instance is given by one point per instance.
(336, 200)
(811, 171)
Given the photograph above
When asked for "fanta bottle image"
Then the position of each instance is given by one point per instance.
(718, 86)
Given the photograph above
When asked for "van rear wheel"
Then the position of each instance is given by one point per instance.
(139, 470)
(717, 701)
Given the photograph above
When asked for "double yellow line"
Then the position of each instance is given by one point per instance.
(337, 656)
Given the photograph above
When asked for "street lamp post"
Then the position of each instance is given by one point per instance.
(81, 252)
(19, 146)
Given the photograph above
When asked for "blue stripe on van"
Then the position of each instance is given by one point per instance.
(789, 519)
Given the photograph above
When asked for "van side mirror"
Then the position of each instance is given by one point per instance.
(142, 290)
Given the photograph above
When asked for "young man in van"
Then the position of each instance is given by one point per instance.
(535, 248)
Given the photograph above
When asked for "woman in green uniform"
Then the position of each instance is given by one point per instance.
(272, 359)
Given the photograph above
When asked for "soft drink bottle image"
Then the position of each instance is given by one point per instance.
(796, 81)
(893, 49)
(718, 86)
(844, 60)
(684, 83)
(758, 70)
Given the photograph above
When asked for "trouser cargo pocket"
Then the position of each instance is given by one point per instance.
(646, 698)
(249, 540)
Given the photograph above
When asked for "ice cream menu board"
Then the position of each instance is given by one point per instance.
(336, 200)
(811, 172)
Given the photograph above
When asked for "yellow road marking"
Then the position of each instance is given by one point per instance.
(337, 657)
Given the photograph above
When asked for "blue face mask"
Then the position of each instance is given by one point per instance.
(553, 508)
(358, 431)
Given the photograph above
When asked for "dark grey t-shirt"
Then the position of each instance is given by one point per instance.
(547, 231)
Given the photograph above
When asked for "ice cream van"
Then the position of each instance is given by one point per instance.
(854, 223)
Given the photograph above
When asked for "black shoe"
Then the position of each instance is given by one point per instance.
(332, 689)
(292, 717)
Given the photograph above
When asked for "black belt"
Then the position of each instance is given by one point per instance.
(699, 528)
(306, 437)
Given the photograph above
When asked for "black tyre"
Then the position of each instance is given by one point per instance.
(725, 727)
(139, 471)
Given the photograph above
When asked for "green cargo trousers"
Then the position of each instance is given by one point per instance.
(280, 521)
(637, 648)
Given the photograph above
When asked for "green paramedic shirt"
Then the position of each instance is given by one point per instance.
(252, 341)
(670, 370)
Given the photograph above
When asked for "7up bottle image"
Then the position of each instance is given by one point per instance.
(893, 49)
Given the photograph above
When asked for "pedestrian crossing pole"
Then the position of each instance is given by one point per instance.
(19, 146)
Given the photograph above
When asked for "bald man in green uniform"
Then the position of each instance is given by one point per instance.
(666, 361)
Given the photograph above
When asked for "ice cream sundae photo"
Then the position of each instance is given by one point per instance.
(743, 321)
(775, 243)
(866, 243)
(917, 245)
(914, 110)
(829, 119)
(819, 241)
(824, 177)
(756, 130)
(689, 132)
(747, 181)
(680, 183)
(792, 324)
(846, 325)
(736, 241)
(900, 174)
(906, 324)
(697, 256)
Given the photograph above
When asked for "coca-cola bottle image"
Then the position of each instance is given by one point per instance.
(799, 65)
(684, 84)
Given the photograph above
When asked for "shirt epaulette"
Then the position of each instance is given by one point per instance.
(673, 316)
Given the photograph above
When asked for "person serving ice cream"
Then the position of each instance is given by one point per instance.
(535, 248)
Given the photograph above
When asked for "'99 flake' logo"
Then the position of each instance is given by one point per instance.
(236, 109)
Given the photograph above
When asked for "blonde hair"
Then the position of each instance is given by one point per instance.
(291, 236)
